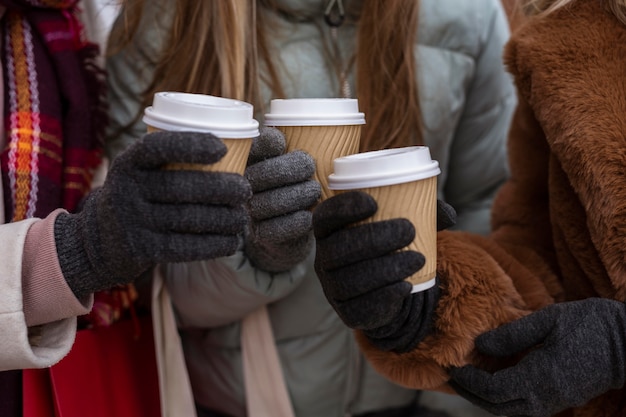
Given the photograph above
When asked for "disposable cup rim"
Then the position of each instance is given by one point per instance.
(381, 180)
(423, 286)
(313, 111)
(398, 166)
(161, 121)
(319, 119)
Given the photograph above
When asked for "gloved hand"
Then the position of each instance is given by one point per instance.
(577, 353)
(363, 271)
(144, 214)
(280, 234)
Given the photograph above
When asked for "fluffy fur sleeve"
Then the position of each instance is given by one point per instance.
(574, 81)
(481, 287)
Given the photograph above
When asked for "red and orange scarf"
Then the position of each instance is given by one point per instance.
(54, 108)
(54, 117)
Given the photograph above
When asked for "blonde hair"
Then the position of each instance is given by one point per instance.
(545, 7)
(220, 48)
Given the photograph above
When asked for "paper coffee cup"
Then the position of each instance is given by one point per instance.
(404, 183)
(326, 128)
(230, 120)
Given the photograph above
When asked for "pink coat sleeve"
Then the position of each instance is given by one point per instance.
(47, 297)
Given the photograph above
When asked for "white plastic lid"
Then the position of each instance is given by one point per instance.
(381, 168)
(224, 117)
(314, 112)
(423, 286)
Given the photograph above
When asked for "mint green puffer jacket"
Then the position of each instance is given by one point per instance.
(467, 101)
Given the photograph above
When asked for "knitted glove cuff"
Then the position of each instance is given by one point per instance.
(280, 257)
(87, 263)
(412, 325)
(77, 269)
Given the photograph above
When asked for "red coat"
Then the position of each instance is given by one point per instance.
(560, 222)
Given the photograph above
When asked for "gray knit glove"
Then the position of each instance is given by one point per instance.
(144, 214)
(363, 270)
(577, 351)
(280, 234)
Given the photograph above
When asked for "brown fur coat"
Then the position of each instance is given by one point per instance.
(560, 222)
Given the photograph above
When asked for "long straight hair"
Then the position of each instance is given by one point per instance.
(220, 48)
(545, 7)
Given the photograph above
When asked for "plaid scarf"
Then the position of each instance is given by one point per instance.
(54, 108)
(54, 117)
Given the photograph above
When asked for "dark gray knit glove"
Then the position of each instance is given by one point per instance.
(577, 352)
(280, 233)
(362, 270)
(144, 214)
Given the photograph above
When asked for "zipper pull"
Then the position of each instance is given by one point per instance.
(334, 19)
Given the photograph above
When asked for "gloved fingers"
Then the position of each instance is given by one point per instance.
(196, 218)
(157, 149)
(300, 244)
(485, 390)
(169, 186)
(414, 311)
(410, 326)
(446, 215)
(290, 168)
(270, 143)
(280, 229)
(340, 210)
(365, 241)
(188, 247)
(373, 309)
(516, 336)
(372, 275)
(283, 256)
(284, 200)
